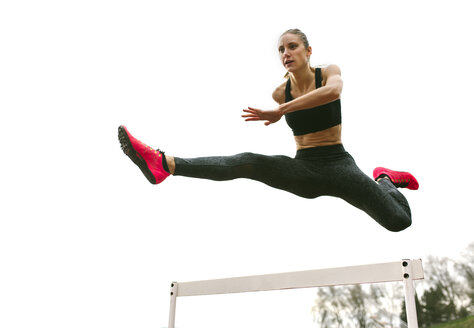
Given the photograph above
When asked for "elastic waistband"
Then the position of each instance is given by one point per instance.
(320, 151)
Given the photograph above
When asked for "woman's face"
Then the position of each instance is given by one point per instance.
(293, 54)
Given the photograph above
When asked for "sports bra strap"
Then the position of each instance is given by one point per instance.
(319, 77)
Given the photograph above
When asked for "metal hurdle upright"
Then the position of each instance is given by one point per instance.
(405, 271)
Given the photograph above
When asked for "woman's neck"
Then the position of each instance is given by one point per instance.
(302, 79)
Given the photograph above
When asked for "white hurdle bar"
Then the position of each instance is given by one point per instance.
(405, 271)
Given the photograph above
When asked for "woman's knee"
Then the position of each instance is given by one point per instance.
(398, 222)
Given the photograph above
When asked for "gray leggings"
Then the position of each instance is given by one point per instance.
(314, 172)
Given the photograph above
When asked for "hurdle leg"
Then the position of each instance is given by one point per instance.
(173, 294)
(410, 304)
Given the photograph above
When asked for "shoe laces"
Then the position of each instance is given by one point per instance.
(401, 182)
(157, 150)
(406, 180)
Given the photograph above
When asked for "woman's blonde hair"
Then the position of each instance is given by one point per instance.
(302, 37)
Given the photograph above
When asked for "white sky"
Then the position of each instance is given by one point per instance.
(86, 241)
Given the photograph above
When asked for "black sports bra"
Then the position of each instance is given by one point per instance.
(313, 119)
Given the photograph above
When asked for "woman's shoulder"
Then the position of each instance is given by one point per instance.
(279, 93)
(329, 69)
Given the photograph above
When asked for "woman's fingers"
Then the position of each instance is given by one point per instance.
(252, 115)
(250, 111)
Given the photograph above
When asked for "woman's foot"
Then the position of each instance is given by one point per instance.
(399, 179)
(149, 161)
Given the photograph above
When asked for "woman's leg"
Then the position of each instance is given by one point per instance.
(381, 200)
(279, 172)
(332, 174)
(310, 179)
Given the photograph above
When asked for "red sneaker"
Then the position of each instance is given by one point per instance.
(399, 179)
(149, 161)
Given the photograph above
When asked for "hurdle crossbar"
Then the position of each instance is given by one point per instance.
(405, 271)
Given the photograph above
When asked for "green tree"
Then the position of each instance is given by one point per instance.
(440, 271)
(466, 270)
(437, 307)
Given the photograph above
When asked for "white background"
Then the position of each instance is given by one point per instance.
(86, 241)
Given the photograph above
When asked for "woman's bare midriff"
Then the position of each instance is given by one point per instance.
(328, 137)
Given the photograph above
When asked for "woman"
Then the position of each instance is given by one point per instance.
(310, 102)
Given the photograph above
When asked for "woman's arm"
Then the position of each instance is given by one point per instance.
(329, 92)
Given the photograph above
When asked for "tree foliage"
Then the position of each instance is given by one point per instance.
(357, 306)
(448, 294)
(466, 269)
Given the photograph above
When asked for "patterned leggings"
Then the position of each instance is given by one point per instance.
(314, 172)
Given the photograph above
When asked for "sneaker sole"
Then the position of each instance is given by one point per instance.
(128, 150)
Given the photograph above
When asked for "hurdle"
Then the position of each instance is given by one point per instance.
(402, 271)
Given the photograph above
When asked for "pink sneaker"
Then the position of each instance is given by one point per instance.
(150, 161)
(399, 179)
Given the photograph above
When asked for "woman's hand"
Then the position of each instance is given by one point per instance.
(269, 116)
